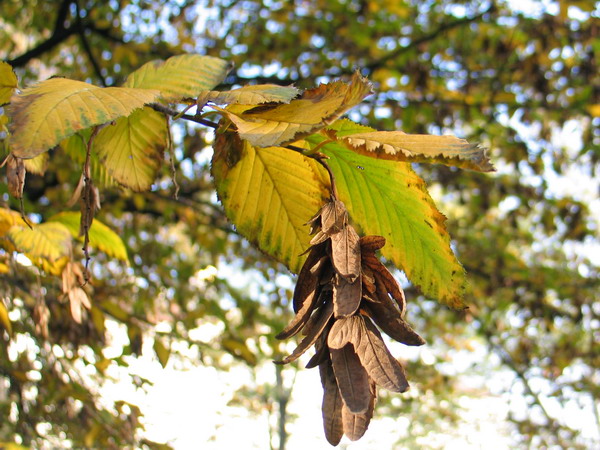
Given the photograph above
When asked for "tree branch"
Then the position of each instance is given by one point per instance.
(81, 29)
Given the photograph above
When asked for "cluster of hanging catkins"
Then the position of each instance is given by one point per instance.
(343, 291)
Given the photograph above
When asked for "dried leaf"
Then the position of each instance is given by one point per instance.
(332, 405)
(334, 217)
(90, 201)
(78, 299)
(308, 279)
(302, 315)
(346, 296)
(322, 352)
(376, 358)
(314, 329)
(352, 378)
(387, 317)
(319, 238)
(342, 331)
(389, 284)
(371, 243)
(355, 425)
(15, 174)
(345, 253)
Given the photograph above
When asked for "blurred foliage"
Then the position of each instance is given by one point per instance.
(519, 77)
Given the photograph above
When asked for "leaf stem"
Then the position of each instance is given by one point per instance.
(174, 113)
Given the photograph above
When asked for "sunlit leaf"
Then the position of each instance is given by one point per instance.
(8, 82)
(132, 148)
(180, 77)
(250, 95)
(37, 165)
(162, 352)
(270, 125)
(4, 319)
(101, 236)
(76, 147)
(389, 199)
(399, 146)
(269, 194)
(52, 110)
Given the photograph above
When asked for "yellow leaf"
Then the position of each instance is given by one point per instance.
(4, 319)
(8, 82)
(52, 110)
(399, 146)
(180, 77)
(37, 165)
(47, 245)
(76, 147)
(250, 95)
(594, 110)
(8, 218)
(101, 236)
(270, 125)
(162, 352)
(132, 149)
(269, 194)
(4, 268)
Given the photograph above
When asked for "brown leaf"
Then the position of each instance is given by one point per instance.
(322, 352)
(308, 278)
(355, 425)
(313, 329)
(319, 238)
(346, 296)
(389, 284)
(345, 253)
(332, 404)
(386, 316)
(301, 317)
(371, 243)
(352, 378)
(90, 202)
(334, 217)
(341, 332)
(15, 174)
(376, 358)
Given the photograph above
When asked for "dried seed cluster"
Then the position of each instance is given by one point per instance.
(343, 291)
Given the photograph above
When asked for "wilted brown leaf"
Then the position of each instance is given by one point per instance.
(334, 217)
(332, 404)
(15, 174)
(345, 253)
(346, 296)
(371, 243)
(308, 278)
(387, 317)
(352, 378)
(355, 425)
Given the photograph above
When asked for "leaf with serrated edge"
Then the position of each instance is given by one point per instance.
(132, 148)
(399, 146)
(269, 125)
(45, 114)
(355, 425)
(250, 95)
(332, 405)
(100, 236)
(269, 194)
(388, 198)
(180, 77)
(379, 363)
(352, 378)
(44, 244)
(8, 82)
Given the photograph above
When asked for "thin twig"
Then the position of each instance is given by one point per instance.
(172, 112)
(171, 151)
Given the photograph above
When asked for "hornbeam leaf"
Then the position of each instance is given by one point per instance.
(48, 245)
(269, 194)
(52, 110)
(345, 253)
(37, 165)
(76, 147)
(332, 405)
(101, 236)
(307, 283)
(379, 363)
(389, 199)
(399, 146)
(352, 379)
(388, 317)
(269, 125)
(180, 77)
(250, 95)
(8, 82)
(132, 148)
(346, 296)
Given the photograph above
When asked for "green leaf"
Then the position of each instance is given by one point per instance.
(269, 194)
(162, 352)
(270, 125)
(180, 77)
(389, 199)
(8, 82)
(399, 146)
(52, 110)
(132, 148)
(250, 95)
(101, 236)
